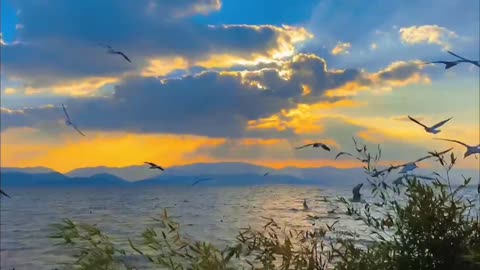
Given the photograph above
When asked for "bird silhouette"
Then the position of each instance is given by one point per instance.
(154, 166)
(315, 145)
(433, 129)
(465, 60)
(112, 51)
(3, 193)
(69, 122)
(471, 150)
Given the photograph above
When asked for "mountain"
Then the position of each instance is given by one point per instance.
(23, 179)
(226, 173)
(136, 173)
(28, 169)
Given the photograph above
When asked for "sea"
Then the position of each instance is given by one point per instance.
(213, 214)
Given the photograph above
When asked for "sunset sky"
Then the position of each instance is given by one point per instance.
(234, 80)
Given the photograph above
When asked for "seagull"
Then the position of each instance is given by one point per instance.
(4, 194)
(154, 166)
(471, 150)
(200, 180)
(112, 51)
(465, 60)
(356, 192)
(433, 129)
(305, 205)
(315, 144)
(68, 121)
(410, 166)
(267, 173)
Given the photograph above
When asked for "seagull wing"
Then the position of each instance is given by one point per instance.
(458, 56)
(78, 130)
(439, 124)
(437, 62)
(325, 147)
(459, 142)
(124, 56)
(416, 121)
(343, 153)
(306, 145)
(66, 113)
(420, 159)
(150, 163)
(5, 194)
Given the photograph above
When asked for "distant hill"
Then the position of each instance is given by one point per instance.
(27, 169)
(226, 173)
(136, 173)
(22, 179)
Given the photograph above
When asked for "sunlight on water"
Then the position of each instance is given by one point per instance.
(206, 214)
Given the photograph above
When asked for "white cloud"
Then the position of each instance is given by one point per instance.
(432, 34)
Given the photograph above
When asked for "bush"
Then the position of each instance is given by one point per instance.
(414, 225)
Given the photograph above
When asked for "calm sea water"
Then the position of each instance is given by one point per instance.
(210, 214)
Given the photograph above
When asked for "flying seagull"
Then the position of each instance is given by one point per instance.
(4, 194)
(200, 180)
(356, 192)
(154, 166)
(465, 60)
(315, 144)
(410, 166)
(305, 205)
(68, 121)
(267, 173)
(112, 51)
(471, 150)
(433, 129)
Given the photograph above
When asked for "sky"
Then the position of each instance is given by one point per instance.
(247, 81)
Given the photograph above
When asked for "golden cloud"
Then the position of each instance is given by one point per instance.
(163, 66)
(24, 147)
(341, 48)
(304, 119)
(80, 87)
(432, 34)
(398, 74)
(10, 91)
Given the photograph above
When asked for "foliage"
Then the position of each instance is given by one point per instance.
(413, 224)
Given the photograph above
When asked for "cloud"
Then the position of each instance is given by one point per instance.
(10, 91)
(223, 104)
(341, 48)
(30, 147)
(397, 74)
(151, 33)
(431, 34)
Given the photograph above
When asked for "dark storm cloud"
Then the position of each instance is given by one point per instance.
(59, 38)
(217, 104)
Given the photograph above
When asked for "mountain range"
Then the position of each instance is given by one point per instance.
(224, 173)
